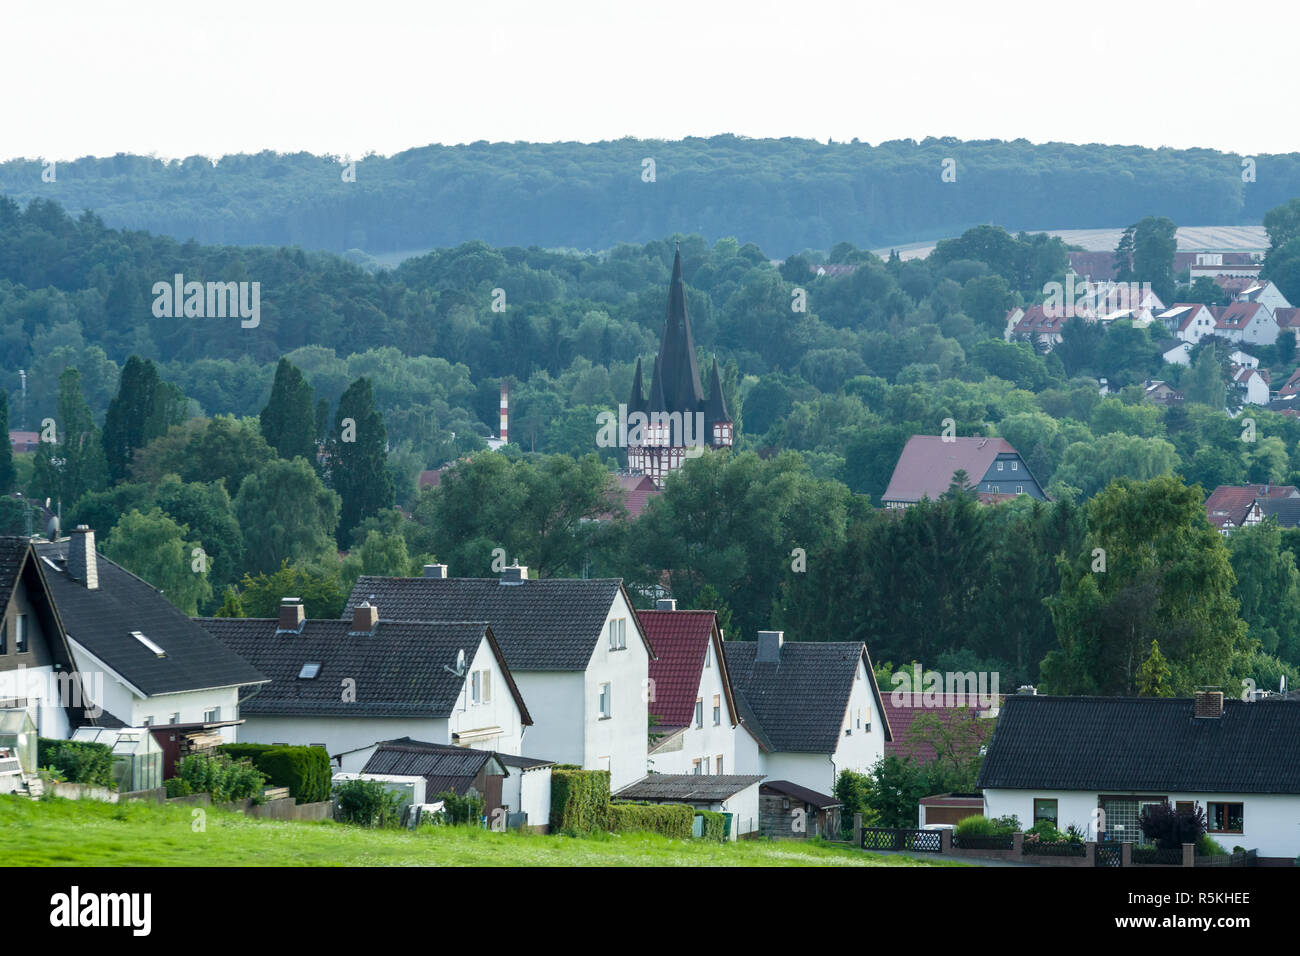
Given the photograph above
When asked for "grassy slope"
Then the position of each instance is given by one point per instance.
(71, 833)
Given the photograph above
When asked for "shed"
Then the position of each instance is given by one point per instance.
(787, 809)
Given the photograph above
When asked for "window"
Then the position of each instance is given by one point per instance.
(1184, 806)
(1020, 489)
(158, 651)
(717, 709)
(1015, 466)
(1225, 817)
(706, 764)
(718, 764)
(481, 687)
(999, 466)
(859, 718)
(605, 703)
(618, 634)
(699, 712)
(212, 716)
(695, 767)
(147, 722)
(174, 719)
(309, 670)
(708, 655)
(486, 687)
(20, 634)
(1045, 810)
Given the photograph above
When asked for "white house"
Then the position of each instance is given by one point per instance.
(691, 700)
(575, 647)
(142, 661)
(1246, 322)
(1180, 354)
(1065, 758)
(344, 685)
(1253, 384)
(812, 709)
(1188, 321)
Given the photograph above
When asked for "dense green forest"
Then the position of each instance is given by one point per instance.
(216, 461)
(784, 195)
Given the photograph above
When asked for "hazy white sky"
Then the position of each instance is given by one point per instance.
(177, 78)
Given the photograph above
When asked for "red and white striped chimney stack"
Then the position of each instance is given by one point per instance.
(505, 410)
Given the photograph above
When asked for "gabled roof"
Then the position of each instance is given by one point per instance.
(950, 712)
(800, 700)
(1150, 745)
(443, 767)
(928, 462)
(1228, 504)
(103, 621)
(1287, 317)
(1236, 315)
(687, 787)
(1285, 510)
(680, 639)
(401, 668)
(544, 624)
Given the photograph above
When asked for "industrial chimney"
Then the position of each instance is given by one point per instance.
(505, 411)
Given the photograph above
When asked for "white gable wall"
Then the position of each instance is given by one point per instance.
(499, 711)
(620, 742)
(864, 742)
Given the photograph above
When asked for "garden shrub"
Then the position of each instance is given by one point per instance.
(1046, 832)
(1166, 828)
(461, 811)
(673, 820)
(77, 761)
(1208, 846)
(217, 774)
(369, 803)
(305, 771)
(715, 826)
(579, 800)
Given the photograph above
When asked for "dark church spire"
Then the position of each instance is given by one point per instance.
(677, 365)
(717, 408)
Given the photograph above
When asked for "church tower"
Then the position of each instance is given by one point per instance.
(679, 419)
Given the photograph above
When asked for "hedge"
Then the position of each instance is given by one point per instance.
(715, 826)
(305, 771)
(579, 800)
(79, 761)
(219, 775)
(669, 819)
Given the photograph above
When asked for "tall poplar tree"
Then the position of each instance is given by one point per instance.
(7, 452)
(73, 463)
(358, 450)
(144, 408)
(289, 418)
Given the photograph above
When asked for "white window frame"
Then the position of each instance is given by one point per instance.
(21, 640)
(605, 704)
(212, 716)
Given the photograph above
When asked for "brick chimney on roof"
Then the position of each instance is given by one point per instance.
(1207, 703)
(364, 617)
(292, 614)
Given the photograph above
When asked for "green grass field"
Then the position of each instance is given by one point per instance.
(86, 833)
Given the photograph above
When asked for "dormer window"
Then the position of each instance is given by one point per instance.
(157, 651)
(310, 670)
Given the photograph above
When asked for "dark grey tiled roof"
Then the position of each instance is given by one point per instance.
(523, 763)
(799, 702)
(1143, 745)
(402, 668)
(1285, 510)
(12, 551)
(687, 787)
(549, 624)
(102, 621)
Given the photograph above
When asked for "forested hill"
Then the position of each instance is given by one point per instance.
(784, 195)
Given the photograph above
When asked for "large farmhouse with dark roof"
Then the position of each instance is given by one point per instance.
(345, 684)
(575, 647)
(154, 664)
(925, 469)
(1064, 758)
(811, 709)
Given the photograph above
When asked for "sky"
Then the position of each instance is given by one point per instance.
(174, 79)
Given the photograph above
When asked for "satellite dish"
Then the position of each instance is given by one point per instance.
(460, 661)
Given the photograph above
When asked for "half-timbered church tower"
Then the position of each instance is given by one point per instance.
(680, 419)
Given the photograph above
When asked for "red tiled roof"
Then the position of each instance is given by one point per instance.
(1287, 318)
(679, 640)
(1235, 316)
(1094, 265)
(24, 441)
(906, 744)
(1291, 385)
(1036, 321)
(431, 479)
(1230, 503)
(928, 462)
(1235, 285)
